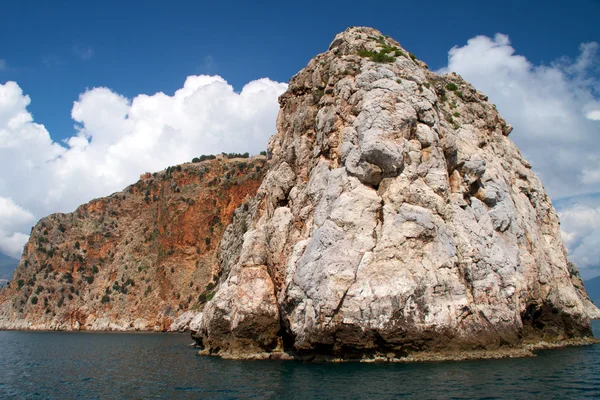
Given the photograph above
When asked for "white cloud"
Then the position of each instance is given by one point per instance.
(12, 243)
(580, 226)
(594, 115)
(13, 219)
(13, 215)
(116, 140)
(555, 112)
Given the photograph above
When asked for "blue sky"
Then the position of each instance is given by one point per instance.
(101, 64)
(57, 49)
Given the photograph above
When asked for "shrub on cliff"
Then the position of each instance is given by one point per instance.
(203, 157)
(236, 155)
(377, 56)
(68, 277)
(451, 86)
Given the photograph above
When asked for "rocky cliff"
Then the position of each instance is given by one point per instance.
(134, 260)
(397, 219)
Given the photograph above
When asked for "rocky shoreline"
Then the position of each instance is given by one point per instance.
(527, 350)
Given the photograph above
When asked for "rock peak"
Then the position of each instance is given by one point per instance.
(356, 34)
(357, 40)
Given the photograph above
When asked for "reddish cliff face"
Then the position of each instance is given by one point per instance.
(134, 260)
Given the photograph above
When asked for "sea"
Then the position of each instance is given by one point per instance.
(66, 365)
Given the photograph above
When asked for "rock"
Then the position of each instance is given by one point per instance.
(134, 260)
(182, 323)
(591, 309)
(195, 322)
(247, 312)
(397, 221)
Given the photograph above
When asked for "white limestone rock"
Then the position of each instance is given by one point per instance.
(397, 218)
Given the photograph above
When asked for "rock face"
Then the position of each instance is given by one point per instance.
(135, 260)
(397, 218)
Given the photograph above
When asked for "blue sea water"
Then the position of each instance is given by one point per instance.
(61, 365)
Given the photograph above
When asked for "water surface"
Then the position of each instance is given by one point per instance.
(62, 365)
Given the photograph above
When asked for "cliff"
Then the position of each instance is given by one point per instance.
(397, 221)
(134, 260)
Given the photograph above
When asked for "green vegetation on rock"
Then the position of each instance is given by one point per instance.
(383, 55)
(451, 86)
(203, 157)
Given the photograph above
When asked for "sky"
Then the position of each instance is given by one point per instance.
(92, 94)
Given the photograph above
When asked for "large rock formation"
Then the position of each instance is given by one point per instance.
(397, 218)
(134, 260)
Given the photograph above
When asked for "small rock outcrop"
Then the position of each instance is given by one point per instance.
(136, 260)
(396, 219)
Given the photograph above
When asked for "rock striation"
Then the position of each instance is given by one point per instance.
(136, 260)
(397, 219)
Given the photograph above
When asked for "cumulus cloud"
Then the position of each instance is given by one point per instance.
(555, 111)
(580, 226)
(13, 221)
(117, 139)
(594, 115)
